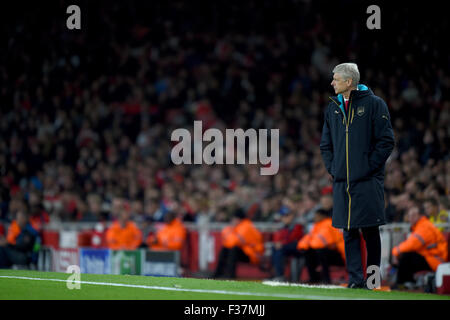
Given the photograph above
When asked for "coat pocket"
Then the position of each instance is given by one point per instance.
(338, 169)
(360, 169)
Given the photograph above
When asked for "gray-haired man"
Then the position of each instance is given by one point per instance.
(357, 139)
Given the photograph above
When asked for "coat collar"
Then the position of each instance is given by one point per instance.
(361, 91)
(421, 220)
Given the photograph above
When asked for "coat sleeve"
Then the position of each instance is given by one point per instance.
(414, 243)
(383, 136)
(111, 238)
(137, 238)
(303, 243)
(229, 237)
(13, 233)
(326, 145)
(319, 240)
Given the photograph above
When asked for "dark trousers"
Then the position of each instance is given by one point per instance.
(353, 257)
(279, 257)
(228, 258)
(325, 258)
(408, 264)
(10, 256)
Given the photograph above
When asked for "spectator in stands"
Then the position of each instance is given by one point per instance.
(241, 241)
(324, 246)
(21, 244)
(285, 242)
(424, 249)
(435, 216)
(171, 236)
(124, 233)
(94, 209)
(117, 206)
(89, 152)
(70, 126)
(326, 202)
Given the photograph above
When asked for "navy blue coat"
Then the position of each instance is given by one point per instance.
(355, 146)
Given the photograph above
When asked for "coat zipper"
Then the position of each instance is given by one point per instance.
(346, 159)
(348, 168)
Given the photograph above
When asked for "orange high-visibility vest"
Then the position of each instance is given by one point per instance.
(247, 237)
(427, 241)
(128, 238)
(13, 232)
(323, 235)
(170, 237)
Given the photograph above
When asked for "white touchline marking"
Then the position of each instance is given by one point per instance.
(257, 294)
(289, 284)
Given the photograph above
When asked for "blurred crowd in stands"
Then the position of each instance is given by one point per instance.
(86, 116)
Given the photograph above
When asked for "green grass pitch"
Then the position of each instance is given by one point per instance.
(30, 285)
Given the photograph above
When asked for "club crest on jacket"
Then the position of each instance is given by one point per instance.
(360, 111)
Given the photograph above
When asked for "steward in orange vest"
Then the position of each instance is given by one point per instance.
(170, 237)
(241, 242)
(124, 234)
(424, 249)
(323, 245)
(22, 242)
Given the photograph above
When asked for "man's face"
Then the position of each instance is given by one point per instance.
(116, 205)
(339, 84)
(169, 217)
(137, 207)
(21, 219)
(430, 209)
(326, 202)
(235, 221)
(413, 215)
(318, 217)
(287, 218)
(124, 216)
(151, 207)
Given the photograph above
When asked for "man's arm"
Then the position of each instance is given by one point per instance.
(319, 240)
(414, 243)
(326, 144)
(303, 243)
(383, 136)
(111, 239)
(137, 238)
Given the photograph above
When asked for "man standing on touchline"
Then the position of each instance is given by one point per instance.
(357, 139)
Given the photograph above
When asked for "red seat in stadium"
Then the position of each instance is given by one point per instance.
(50, 238)
(84, 238)
(447, 237)
(189, 254)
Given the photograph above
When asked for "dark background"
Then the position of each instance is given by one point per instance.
(74, 104)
